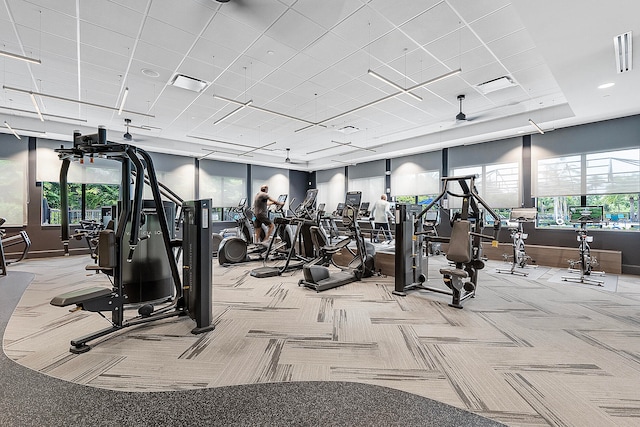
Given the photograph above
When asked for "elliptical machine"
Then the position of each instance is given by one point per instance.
(239, 248)
(317, 275)
(464, 252)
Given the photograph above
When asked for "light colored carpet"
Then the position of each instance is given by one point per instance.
(523, 352)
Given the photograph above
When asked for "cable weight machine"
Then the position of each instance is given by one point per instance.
(128, 243)
(464, 252)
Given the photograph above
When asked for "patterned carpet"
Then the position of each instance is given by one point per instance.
(523, 352)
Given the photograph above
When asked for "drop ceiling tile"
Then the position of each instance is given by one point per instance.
(270, 51)
(257, 14)
(327, 16)
(139, 6)
(498, 24)
(135, 72)
(431, 25)
(213, 53)
(453, 44)
(512, 44)
(283, 79)
(42, 19)
(98, 73)
(330, 49)
(470, 11)
(389, 47)
(159, 34)
(537, 79)
(362, 27)
(104, 59)
(112, 16)
(356, 65)
(401, 11)
(197, 69)
(251, 69)
(331, 77)
(190, 16)
(304, 66)
(157, 56)
(105, 39)
(295, 30)
(472, 60)
(522, 61)
(230, 33)
(483, 74)
(35, 45)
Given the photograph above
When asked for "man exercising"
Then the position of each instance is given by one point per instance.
(261, 211)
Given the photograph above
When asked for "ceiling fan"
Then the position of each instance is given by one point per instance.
(291, 162)
(127, 135)
(461, 116)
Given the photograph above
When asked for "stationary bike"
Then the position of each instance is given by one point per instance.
(519, 257)
(588, 214)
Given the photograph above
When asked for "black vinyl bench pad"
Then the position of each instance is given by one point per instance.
(79, 296)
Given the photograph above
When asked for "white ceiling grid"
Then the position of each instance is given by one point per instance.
(307, 60)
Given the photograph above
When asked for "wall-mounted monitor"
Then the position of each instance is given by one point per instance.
(580, 214)
(523, 214)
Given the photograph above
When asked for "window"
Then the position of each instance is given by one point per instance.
(497, 184)
(331, 187)
(13, 180)
(369, 178)
(610, 179)
(85, 201)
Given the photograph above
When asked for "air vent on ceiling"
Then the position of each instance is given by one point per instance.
(624, 57)
(189, 83)
(495, 84)
(348, 130)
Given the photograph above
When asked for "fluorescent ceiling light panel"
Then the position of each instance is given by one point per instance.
(124, 99)
(246, 104)
(538, 128)
(19, 57)
(495, 84)
(61, 98)
(11, 129)
(35, 104)
(189, 83)
(389, 82)
(622, 45)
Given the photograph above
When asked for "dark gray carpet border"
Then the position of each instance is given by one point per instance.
(28, 398)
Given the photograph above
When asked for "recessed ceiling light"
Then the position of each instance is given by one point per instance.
(270, 52)
(606, 85)
(150, 73)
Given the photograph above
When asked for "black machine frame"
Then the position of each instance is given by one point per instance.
(519, 257)
(193, 297)
(317, 275)
(585, 215)
(303, 218)
(22, 238)
(411, 260)
(241, 247)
